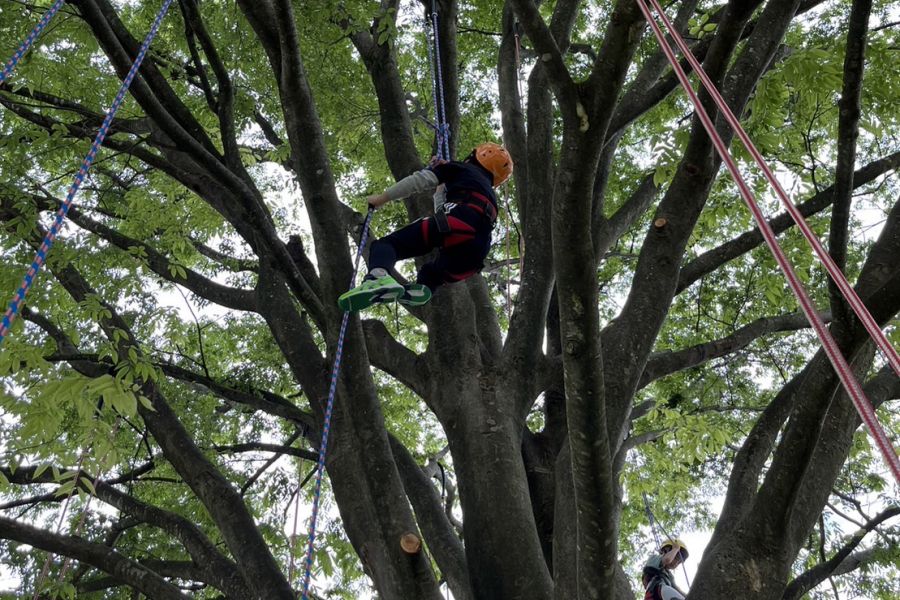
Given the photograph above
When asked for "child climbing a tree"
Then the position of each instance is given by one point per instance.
(657, 576)
(465, 212)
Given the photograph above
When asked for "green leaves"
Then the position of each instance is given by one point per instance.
(55, 404)
(93, 306)
(701, 26)
(387, 25)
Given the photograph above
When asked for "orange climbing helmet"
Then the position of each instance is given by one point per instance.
(495, 159)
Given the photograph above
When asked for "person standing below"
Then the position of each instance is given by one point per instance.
(657, 577)
(464, 216)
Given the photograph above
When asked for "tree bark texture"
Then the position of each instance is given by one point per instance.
(541, 510)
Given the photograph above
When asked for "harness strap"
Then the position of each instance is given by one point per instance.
(440, 217)
(479, 203)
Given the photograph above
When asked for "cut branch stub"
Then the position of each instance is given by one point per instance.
(410, 543)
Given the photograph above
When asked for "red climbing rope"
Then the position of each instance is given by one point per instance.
(833, 270)
(857, 395)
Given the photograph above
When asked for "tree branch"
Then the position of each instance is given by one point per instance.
(223, 295)
(442, 539)
(215, 568)
(180, 569)
(609, 230)
(203, 79)
(224, 104)
(713, 259)
(107, 560)
(836, 564)
(551, 56)
(534, 173)
(245, 210)
(628, 340)
(230, 262)
(263, 447)
(395, 359)
(665, 363)
(92, 365)
(255, 561)
(848, 132)
(646, 90)
(82, 131)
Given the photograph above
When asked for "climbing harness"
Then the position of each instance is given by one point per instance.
(25, 45)
(326, 423)
(41, 255)
(854, 389)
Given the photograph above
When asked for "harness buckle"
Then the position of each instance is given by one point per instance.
(440, 218)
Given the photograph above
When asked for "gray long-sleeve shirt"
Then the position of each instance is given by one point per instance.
(420, 181)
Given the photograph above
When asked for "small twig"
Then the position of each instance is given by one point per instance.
(477, 30)
(269, 462)
(885, 26)
(202, 362)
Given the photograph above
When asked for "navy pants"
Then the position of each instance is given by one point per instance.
(462, 249)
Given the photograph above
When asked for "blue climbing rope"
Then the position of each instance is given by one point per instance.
(41, 255)
(442, 128)
(442, 131)
(23, 48)
(326, 424)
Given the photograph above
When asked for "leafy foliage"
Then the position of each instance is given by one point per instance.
(57, 414)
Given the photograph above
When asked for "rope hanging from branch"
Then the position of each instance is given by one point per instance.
(854, 389)
(27, 43)
(79, 527)
(833, 270)
(41, 255)
(442, 142)
(442, 128)
(651, 518)
(326, 427)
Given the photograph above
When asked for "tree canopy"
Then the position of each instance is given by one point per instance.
(630, 336)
